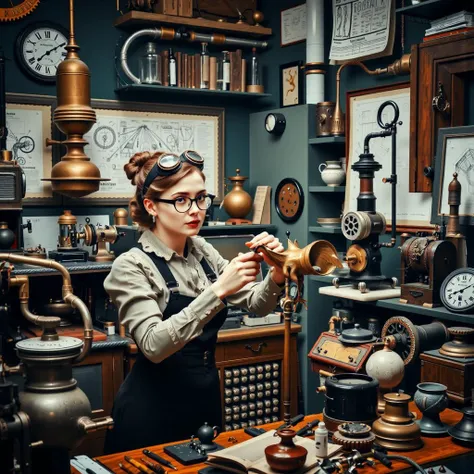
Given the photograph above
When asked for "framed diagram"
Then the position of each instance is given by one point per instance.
(413, 209)
(29, 124)
(454, 154)
(124, 128)
(293, 25)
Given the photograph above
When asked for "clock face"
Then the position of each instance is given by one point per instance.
(457, 290)
(289, 200)
(11, 10)
(270, 122)
(40, 50)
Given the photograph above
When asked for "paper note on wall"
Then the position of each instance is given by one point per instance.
(45, 230)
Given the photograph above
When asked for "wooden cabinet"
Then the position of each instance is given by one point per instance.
(246, 348)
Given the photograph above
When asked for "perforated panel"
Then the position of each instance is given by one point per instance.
(7, 186)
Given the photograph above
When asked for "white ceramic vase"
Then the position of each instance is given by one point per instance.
(332, 173)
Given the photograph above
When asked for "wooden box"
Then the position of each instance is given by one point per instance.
(166, 7)
(185, 8)
(456, 374)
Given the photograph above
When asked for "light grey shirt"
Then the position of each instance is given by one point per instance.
(141, 295)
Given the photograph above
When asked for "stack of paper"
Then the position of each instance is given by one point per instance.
(463, 19)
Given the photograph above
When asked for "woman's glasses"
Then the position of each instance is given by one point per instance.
(183, 203)
(169, 164)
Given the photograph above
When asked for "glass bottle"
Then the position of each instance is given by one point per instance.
(150, 65)
(255, 74)
(204, 67)
(172, 79)
(223, 72)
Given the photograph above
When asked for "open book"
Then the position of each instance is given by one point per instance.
(249, 456)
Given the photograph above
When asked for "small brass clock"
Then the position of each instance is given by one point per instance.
(289, 200)
(40, 48)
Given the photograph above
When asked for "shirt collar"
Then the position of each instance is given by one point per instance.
(151, 243)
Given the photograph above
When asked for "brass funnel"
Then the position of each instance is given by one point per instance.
(75, 175)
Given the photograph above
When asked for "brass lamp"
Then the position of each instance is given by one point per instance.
(400, 66)
(75, 175)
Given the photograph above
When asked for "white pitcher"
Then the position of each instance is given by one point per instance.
(332, 173)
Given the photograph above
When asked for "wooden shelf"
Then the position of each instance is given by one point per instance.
(325, 230)
(327, 189)
(433, 9)
(136, 19)
(327, 140)
(154, 88)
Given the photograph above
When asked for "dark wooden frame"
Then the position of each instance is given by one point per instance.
(161, 108)
(440, 188)
(300, 190)
(375, 90)
(281, 29)
(299, 65)
(51, 101)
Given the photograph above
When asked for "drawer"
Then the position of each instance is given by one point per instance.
(243, 349)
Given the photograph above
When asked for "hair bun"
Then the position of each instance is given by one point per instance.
(135, 164)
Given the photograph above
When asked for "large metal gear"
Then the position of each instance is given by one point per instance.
(15, 12)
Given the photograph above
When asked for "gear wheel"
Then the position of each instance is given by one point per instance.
(460, 331)
(354, 436)
(18, 11)
(406, 333)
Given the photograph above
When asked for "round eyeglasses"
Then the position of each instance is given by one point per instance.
(183, 203)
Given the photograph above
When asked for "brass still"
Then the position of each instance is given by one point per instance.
(238, 202)
(324, 118)
(75, 175)
(59, 411)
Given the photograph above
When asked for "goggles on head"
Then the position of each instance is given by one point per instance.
(169, 164)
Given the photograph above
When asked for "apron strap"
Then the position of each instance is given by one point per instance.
(211, 276)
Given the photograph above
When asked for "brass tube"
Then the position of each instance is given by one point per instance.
(68, 296)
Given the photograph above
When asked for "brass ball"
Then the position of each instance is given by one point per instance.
(257, 17)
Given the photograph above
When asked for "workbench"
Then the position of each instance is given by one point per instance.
(435, 450)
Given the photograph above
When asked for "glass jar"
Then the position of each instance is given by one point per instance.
(255, 81)
(150, 65)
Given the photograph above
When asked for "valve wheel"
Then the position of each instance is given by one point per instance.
(402, 327)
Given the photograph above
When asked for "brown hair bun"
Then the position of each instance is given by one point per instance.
(136, 163)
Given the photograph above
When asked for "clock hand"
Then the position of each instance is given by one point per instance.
(50, 51)
(461, 290)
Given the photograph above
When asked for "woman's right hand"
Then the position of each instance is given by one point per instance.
(241, 270)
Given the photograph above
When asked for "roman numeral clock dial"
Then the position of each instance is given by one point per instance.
(457, 291)
(40, 48)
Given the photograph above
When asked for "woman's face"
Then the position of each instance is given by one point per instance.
(188, 223)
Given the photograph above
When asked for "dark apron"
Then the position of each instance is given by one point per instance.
(169, 401)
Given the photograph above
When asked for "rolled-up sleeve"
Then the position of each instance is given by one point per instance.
(138, 301)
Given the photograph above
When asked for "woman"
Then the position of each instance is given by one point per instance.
(172, 292)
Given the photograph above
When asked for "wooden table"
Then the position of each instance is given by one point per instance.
(435, 450)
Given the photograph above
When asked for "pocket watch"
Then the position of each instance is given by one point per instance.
(40, 48)
(289, 200)
(457, 291)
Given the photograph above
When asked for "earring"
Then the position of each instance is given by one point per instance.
(153, 218)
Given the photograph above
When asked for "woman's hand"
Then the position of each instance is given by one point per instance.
(271, 242)
(241, 270)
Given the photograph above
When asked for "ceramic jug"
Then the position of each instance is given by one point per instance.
(286, 456)
(332, 173)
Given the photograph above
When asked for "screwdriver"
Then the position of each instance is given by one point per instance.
(158, 459)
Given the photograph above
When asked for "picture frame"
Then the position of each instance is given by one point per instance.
(293, 25)
(291, 84)
(124, 128)
(454, 153)
(29, 124)
(413, 209)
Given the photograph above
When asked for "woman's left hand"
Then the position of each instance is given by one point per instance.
(272, 243)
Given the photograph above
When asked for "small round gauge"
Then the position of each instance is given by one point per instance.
(289, 200)
(275, 123)
(457, 290)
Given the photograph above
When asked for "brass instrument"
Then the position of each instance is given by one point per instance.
(317, 258)
(453, 233)
(75, 175)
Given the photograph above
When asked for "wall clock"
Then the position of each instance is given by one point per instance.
(40, 48)
(275, 123)
(289, 200)
(11, 10)
(457, 291)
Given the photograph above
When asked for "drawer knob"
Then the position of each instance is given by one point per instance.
(258, 349)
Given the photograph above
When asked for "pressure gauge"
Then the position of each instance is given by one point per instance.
(275, 123)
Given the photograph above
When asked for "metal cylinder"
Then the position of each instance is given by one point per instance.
(314, 51)
(358, 225)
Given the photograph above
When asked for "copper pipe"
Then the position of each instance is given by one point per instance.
(332, 323)
(400, 66)
(68, 296)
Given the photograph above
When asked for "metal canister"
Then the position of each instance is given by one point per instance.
(324, 115)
